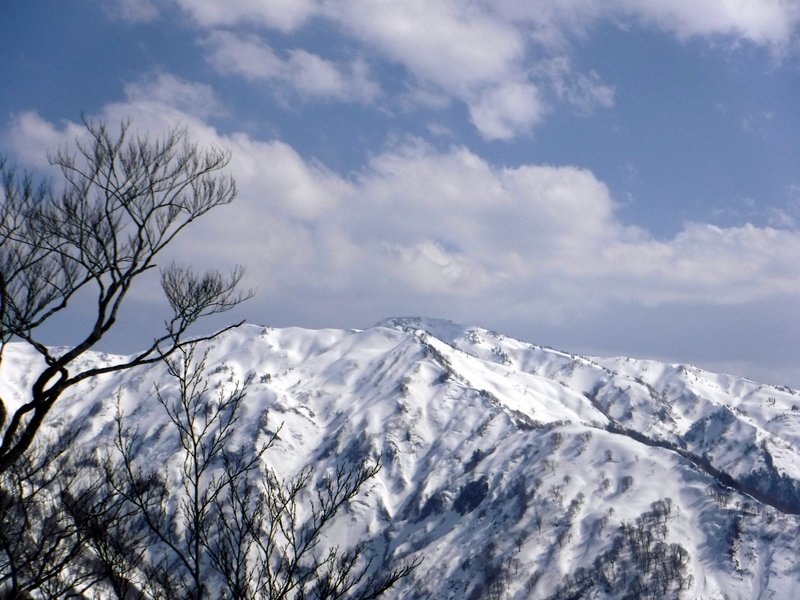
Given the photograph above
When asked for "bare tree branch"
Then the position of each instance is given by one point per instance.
(125, 198)
(230, 527)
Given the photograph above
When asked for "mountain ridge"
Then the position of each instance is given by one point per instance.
(516, 470)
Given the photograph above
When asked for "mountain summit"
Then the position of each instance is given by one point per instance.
(517, 471)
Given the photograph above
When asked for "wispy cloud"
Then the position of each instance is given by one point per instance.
(306, 74)
(504, 60)
(282, 15)
(584, 91)
(164, 89)
(771, 23)
(441, 46)
(134, 11)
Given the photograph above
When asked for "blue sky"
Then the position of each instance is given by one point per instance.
(617, 177)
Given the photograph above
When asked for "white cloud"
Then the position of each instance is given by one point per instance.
(421, 230)
(765, 22)
(465, 50)
(452, 224)
(283, 15)
(430, 269)
(771, 23)
(314, 76)
(499, 52)
(585, 92)
(507, 111)
(244, 55)
(493, 57)
(454, 44)
(165, 89)
(275, 174)
(307, 74)
(30, 139)
(709, 264)
(781, 219)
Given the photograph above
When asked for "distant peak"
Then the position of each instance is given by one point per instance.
(440, 328)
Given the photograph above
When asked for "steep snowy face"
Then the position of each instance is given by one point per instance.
(517, 471)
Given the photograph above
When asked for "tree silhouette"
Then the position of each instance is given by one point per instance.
(124, 198)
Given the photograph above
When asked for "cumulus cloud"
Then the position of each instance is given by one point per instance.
(430, 269)
(506, 111)
(468, 52)
(447, 223)
(709, 264)
(453, 44)
(30, 139)
(420, 229)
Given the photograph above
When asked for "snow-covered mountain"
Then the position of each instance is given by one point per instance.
(517, 471)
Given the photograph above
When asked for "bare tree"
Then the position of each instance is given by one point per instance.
(230, 527)
(227, 527)
(280, 538)
(124, 198)
(176, 512)
(41, 544)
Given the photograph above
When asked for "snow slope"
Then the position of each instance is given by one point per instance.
(517, 471)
